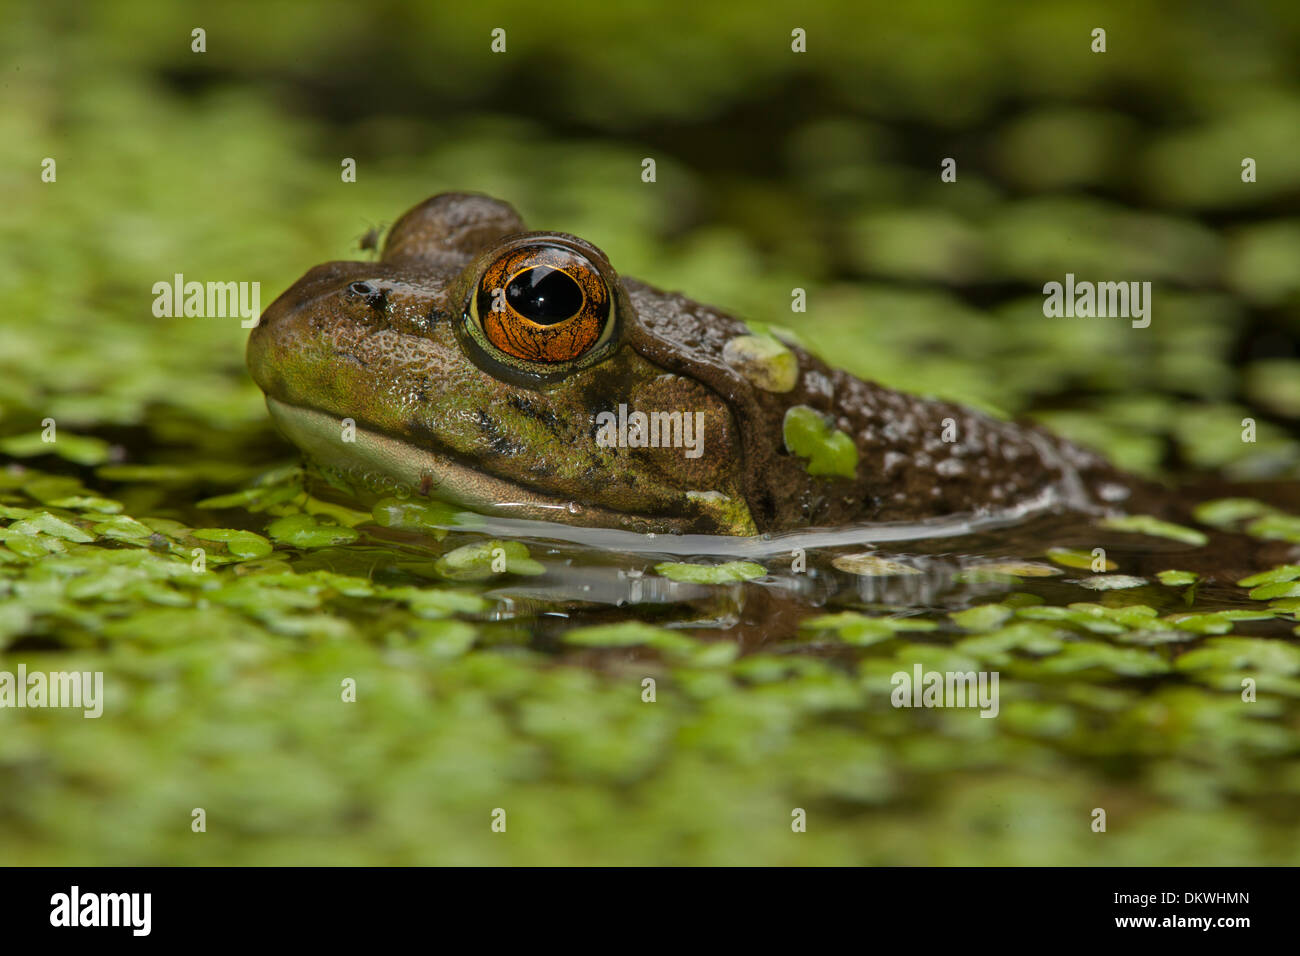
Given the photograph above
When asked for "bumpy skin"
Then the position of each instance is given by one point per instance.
(383, 344)
(906, 470)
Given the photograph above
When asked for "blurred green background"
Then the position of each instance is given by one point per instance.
(775, 170)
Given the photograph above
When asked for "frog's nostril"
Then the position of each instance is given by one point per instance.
(377, 299)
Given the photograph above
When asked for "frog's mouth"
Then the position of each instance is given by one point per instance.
(378, 466)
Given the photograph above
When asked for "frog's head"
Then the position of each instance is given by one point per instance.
(498, 369)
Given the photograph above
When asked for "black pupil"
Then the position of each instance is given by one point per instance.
(544, 295)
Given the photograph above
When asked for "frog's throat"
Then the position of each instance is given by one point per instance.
(382, 466)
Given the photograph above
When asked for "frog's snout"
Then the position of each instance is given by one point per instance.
(291, 323)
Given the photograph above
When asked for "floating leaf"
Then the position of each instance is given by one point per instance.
(79, 449)
(1098, 624)
(242, 544)
(1129, 615)
(1112, 582)
(1242, 654)
(304, 531)
(442, 638)
(429, 516)
(150, 474)
(1215, 622)
(1152, 637)
(432, 603)
(1227, 512)
(1122, 661)
(1281, 589)
(984, 617)
(861, 630)
(727, 573)
(477, 562)
(1276, 528)
(1083, 560)
(1032, 637)
(1146, 524)
(626, 634)
(123, 528)
(1015, 569)
(1285, 572)
(253, 499)
(871, 565)
(46, 523)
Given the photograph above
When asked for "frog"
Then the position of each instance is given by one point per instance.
(515, 373)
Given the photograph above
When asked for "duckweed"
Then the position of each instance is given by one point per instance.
(1172, 703)
(711, 574)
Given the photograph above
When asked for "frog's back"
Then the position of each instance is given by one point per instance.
(916, 457)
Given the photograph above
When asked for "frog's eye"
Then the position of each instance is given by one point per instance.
(543, 303)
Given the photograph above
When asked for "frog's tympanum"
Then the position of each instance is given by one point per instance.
(516, 373)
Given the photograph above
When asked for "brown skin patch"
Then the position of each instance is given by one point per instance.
(906, 470)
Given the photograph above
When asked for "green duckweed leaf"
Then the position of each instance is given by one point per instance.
(1281, 589)
(727, 573)
(1082, 560)
(1146, 524)
(1276, 528)
(78, 449)
(430, 603)
(424, 517)
(1285, 572)
(48, 524)
(861, 630)
(626, 634)
(870, 565)
(1228, 512)
(1112, 582)
(1242, 654)
(1121, 661)
(1015, 569)
(984, 617)
(304, 531)
(829, 451)
(242, 544)
(478, 562)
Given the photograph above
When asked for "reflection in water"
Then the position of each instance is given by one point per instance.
(929, 568)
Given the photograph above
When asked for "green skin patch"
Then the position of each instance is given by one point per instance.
(764, 360)
(830, 452)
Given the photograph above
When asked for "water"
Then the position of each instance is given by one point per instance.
(927, 568)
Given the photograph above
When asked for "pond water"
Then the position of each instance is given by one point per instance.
(1138, 667)
(339, 683)
(758, 590)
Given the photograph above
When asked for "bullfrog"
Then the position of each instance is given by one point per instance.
(514, 372)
